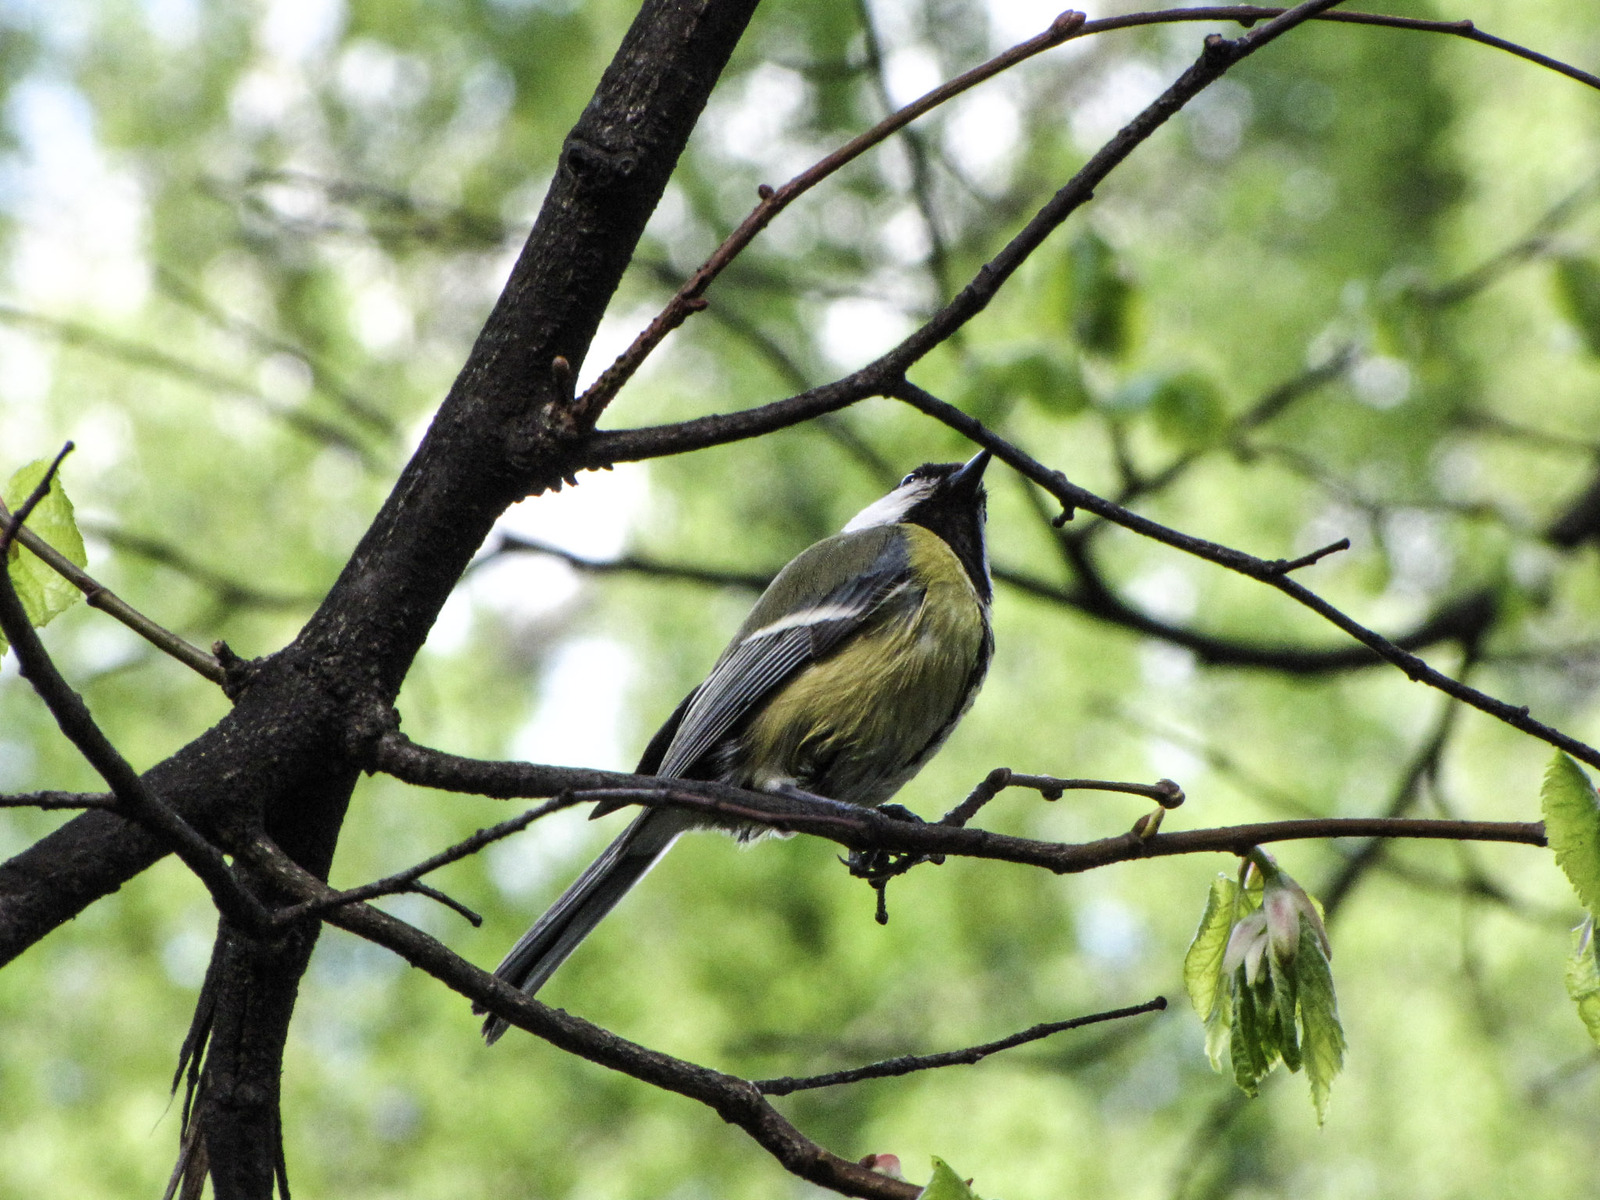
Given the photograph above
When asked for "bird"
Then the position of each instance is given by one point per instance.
(848, 675)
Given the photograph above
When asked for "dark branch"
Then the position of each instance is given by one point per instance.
(735, 1100)
(133, 799)
(906, 1065)
(51, 800)
(1073, 497)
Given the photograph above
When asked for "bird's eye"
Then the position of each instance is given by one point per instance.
(906, 480)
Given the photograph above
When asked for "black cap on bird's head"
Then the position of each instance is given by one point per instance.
(947, 498)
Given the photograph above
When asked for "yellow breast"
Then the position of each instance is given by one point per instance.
(857, 725)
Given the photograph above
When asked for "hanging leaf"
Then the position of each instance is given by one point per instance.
(1322, 1035)
(1572, 823)
(1578, 290)
(1100, 305)
(1202, 963)
(1583, 977)
(45, 595)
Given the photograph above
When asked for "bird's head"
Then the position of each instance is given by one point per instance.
(947, 498)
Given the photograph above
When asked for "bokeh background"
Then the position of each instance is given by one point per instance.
(245, 246)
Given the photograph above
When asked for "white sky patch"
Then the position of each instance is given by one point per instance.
(910, 72)
(374, 77)
(748, 126)
(1168, 760)
(1109, 930)
(592, 519)
(1165, 667)
(80, 240)
(1380, 381)
(1165, 592)
(1012, 21)
(982, 134)
(616, 334)
(1118, 99)
(299, 31)
(856, 330)
(175, 22)
(578, 722)
(904, 237)
(27, 366)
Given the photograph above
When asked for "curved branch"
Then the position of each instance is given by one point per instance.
(735, 1100)
(97, 595)
(872, 829)
(1267, 571)
(881, 377)
(907, 1064)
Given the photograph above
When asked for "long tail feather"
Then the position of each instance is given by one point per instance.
(583, 905)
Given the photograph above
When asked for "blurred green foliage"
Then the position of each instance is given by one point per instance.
(246, 247)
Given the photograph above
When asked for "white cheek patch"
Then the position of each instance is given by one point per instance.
(891, 508)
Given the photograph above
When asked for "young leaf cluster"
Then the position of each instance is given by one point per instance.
(1257, 973)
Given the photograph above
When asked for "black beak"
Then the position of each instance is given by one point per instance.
(969, 478)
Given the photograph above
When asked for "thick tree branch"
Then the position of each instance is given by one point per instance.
(735, 1100)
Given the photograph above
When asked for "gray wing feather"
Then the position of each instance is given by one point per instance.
(756, 666)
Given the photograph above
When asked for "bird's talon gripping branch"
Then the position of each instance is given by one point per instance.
(900, 813)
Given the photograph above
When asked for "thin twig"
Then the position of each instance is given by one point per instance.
(1165, 793)
(1073, 497)
(1281, 566)
(432, 893)
(97, 595)
(55, 800)
(406, 881)
(632, 564)
(907, 1064)
(134, 800)
(690, 297)
(734, 1099)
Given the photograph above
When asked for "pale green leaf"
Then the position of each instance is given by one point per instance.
(1102, 298)
(1583, 977)
(947, 1185)
(1286, 994)
(44, 594)
(1572, 823)
(1202, 964)
(1578, 291)
(1322, 1037)
(1251, 1059)
(1219, 1036)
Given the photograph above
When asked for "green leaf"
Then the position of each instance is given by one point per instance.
(1583, 977)
(1187, 409)
(1322, 1036)
(1578, 290)
(1045, 378)
(1286, 994)
(1202, 963)
(947, 1185)
(1250, 1061)
(44, 594)
(1101, 298)
(1572, 823)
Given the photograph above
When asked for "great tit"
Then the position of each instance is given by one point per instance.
(849, 673)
